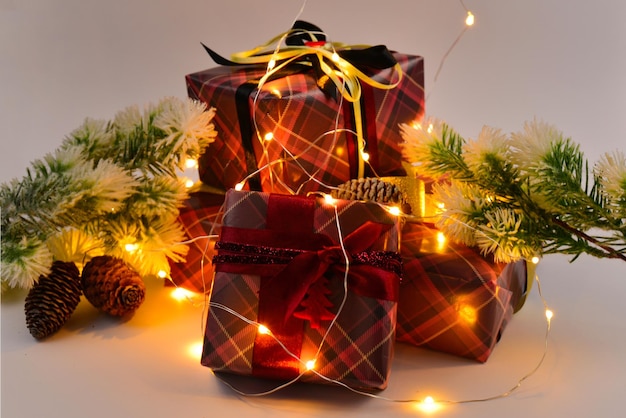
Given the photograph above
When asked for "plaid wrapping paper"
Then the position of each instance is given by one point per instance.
(199, 217)
(358, 349)
(453, 299)
(307, 122)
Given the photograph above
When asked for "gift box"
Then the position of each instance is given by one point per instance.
(282, 263)
(296, 132)
(452, 298)
(200, 217)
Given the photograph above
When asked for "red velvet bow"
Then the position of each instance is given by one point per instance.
(293, 283)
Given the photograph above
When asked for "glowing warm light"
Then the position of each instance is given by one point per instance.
(180, 293)
(395, 211)
(310, 365)
(194, 350)
(335, 57)
(188, 183)
(268, 136)
(365, 156)
(441, 238)
(263, 330)
(277, 93)
(430, 128)
(549, 314)
(468, 313)
(239, 186)
(191, 163)
(162, 274)
(469, 20)
(416, 125)
(441, 206)
(271, 64)
(429, 405)
(534, 260)
(329, 199)
(131, 247)
(339, 151)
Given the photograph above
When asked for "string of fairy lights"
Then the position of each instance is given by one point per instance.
(425, 404)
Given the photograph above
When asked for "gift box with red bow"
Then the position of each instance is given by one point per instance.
(452, 298)
(308, 114)
(304, 289)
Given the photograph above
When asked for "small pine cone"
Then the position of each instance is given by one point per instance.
(370, 188)
(52, 300)
(112, 286)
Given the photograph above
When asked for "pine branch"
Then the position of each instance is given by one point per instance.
(541, 191)
(610, 252)
(113, 181)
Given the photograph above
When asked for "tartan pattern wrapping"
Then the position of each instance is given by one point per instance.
(453, 299)
(199, 217)
(358, 349)
(305, 123)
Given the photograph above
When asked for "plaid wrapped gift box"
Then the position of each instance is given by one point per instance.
(200, 218)
(280, 264)
(311, 131)
(453, 299)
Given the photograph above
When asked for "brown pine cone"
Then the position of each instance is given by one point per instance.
(52, 300)
(372, 189)
(112, 286)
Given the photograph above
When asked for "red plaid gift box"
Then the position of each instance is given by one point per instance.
(305, 122)
(453, 299)
(200, 218)
(280, 263)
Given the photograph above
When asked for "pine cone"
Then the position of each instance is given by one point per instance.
(52, 300)
(372, 189)
(112, 286)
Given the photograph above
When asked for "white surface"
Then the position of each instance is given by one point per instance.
(558, 60)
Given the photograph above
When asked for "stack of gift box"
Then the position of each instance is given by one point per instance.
(305, 288)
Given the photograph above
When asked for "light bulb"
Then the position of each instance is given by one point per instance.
(268, 136)
(131, 247)
(194, 350)
(239, 186)
(549, 314)
(263, 330)
(329, 199)
(335, 57)
(365, 156)
(181, 293)
(535, 260)
(428, 405)
(395, 211)
(189, 183)
(271, 64)
(469, 20)
(191, 163)
(310, 365)
(162, 274)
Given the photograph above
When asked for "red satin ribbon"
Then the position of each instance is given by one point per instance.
(284, 286)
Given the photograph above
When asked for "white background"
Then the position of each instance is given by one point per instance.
(557, 60)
